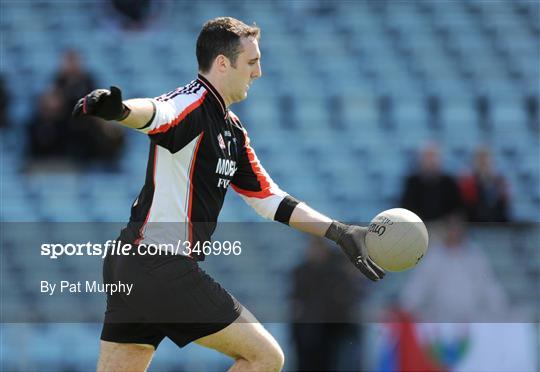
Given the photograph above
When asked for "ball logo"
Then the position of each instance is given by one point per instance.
(385, 220)
(377, 229)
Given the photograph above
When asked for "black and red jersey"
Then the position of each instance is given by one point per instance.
(198, 148)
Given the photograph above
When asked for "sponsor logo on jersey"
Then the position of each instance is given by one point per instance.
(227, 133)
(226, 167)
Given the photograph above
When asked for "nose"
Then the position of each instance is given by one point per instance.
(257, 73)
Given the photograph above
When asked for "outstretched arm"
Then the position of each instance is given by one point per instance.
(141, 112)
(307, 219)
(108, 105)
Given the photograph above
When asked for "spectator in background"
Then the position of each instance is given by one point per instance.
(72, 80)
(324, 311)
(429, 192)
(48, 128)
(4, 101)
(455, 282)
(484, 192)
(91, 138)
(54, 133)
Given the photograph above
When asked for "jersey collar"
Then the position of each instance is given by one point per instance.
(217, 97)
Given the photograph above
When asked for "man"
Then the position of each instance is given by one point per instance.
(429, 191)
(198, 147)
(456, 283)
(484, 191)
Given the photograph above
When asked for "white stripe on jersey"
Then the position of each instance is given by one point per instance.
(167, 222)
(267, 207)
(169, 113)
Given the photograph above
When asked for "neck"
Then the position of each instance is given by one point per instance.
(218, 84)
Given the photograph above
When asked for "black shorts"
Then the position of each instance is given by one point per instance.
(171, 297)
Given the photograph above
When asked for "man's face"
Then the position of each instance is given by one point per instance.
(248, 68)
(429, 160)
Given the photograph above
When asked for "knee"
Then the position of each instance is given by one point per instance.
(269, 359)
(272, 359)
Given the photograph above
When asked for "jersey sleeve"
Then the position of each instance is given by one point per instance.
(255, 185)
(175, 121)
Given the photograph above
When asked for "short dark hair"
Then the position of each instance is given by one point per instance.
(222, 36)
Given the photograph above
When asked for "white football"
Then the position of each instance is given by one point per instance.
(397, 239)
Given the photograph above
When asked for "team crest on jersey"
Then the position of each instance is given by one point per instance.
(221, 142)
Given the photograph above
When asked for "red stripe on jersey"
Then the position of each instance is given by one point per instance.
(149, 209)
(252, 194)
(264, 181)
(190, 202)
(180, 117)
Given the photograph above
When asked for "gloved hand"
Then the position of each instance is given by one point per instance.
(351, 239)
(103, 103)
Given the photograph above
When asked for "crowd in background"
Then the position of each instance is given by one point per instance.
(54, 139)
(481, 193)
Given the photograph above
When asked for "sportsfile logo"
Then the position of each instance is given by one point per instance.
(225, 167)
(118, 248)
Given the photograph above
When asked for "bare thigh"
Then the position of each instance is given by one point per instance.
(119, 357)
(245, 338)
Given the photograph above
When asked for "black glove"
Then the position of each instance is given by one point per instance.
(351, 239)
(103, 103)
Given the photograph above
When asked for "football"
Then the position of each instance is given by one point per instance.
(397, 239)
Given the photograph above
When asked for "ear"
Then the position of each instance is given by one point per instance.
(222, 63)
